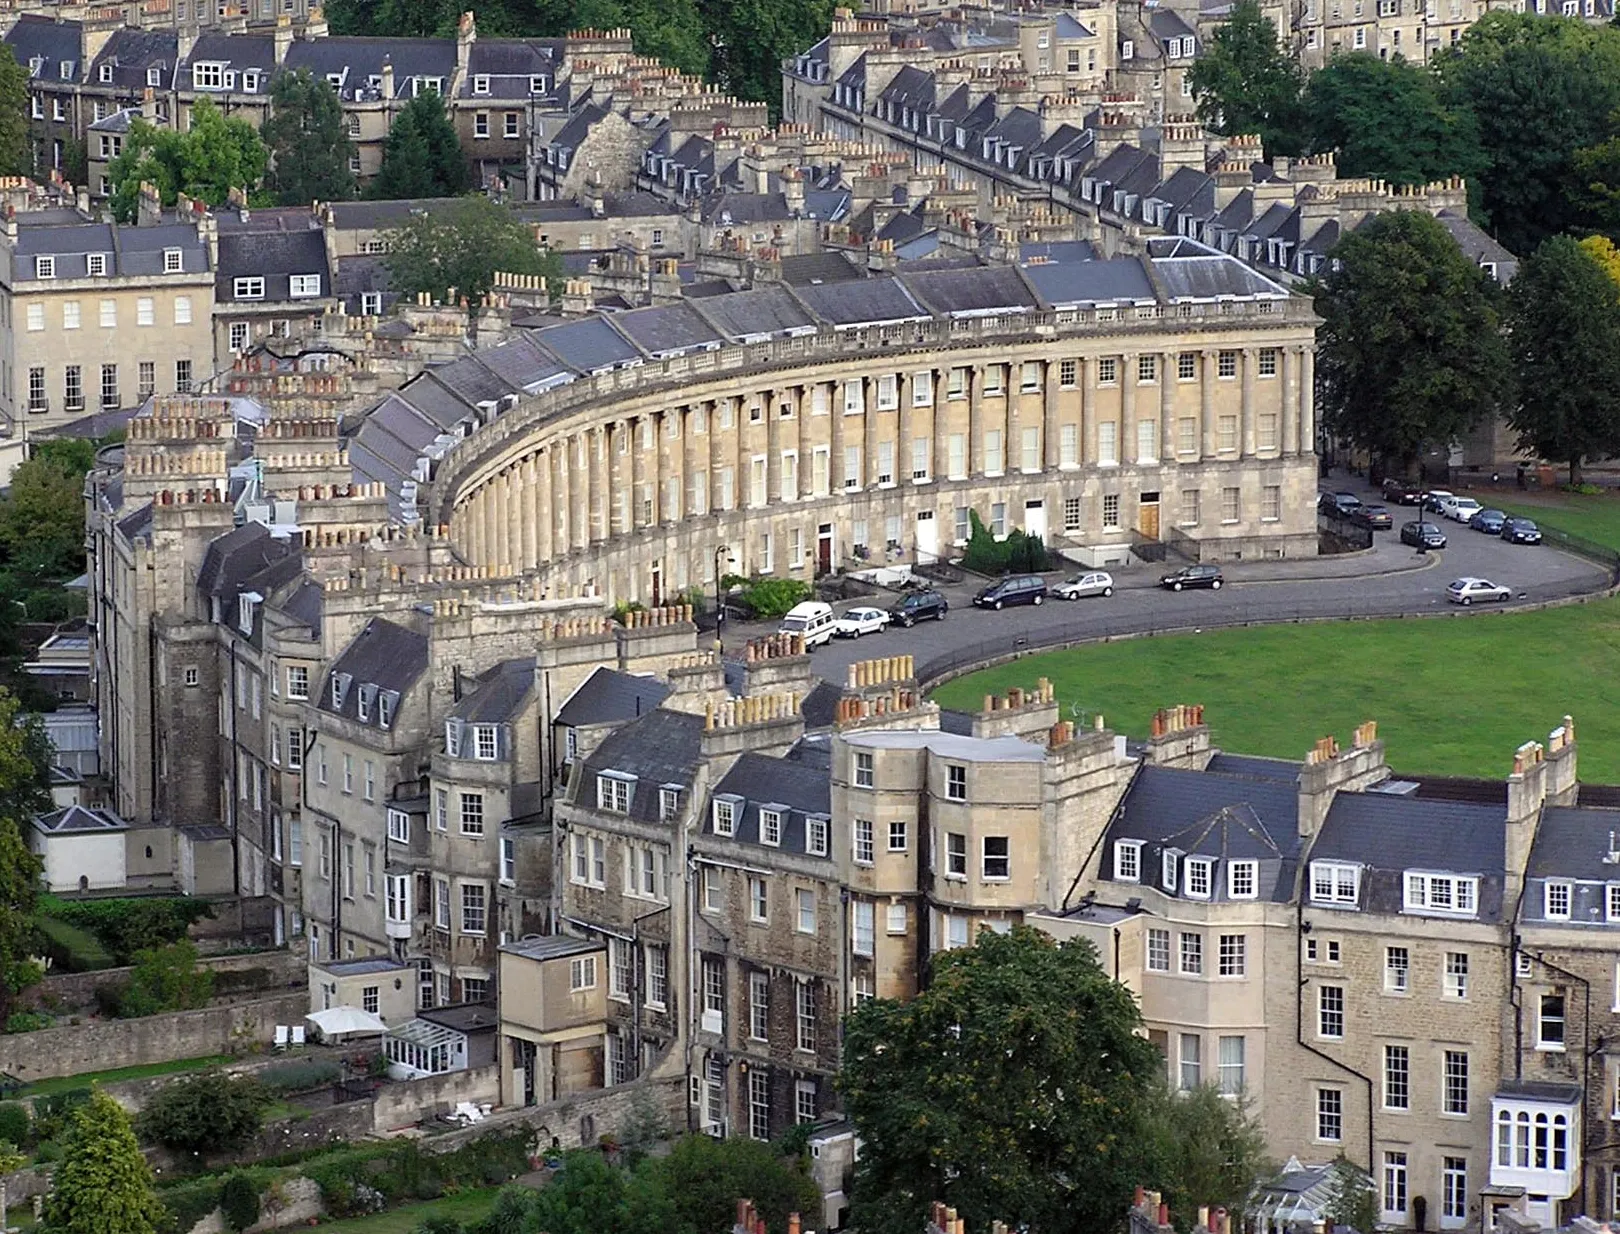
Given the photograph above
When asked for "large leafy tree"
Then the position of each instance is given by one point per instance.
(1209, 1147)
(751, 38)
(1386, 120)
(207, 1113)
(1539, 89)
(1596, 189)
(24, 792)
(1246, 83)
(42, 516)
(463, 247)
(422, 157)
(1410, 350)
(103, 1184)
(1564, 331)
(702, 1178)
(308, 140)
(217, 154)
(16, 157)
(1015, 1087)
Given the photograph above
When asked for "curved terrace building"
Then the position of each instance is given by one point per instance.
(793, 430)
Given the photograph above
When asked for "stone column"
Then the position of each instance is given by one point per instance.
(471, 532)
(975, 443)
(869, 414)
(835, 434)
(1246, 358)
(942, 425)
(1307, 400)
(1012, 456)
(644, 467)
(545, 526)
(1127, 409)
(581, 462)
(1289, 412)
(1167, 408)
(1088, 411)
(902, 437)
(773, 447)
(499, 492)
(528, 517)
(1051, 430)
(743, 490)
(601, 510)
(1207, 369)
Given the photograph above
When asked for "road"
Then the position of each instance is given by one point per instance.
(1389, 580)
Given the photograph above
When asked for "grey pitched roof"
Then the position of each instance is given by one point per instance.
(1249, 765)
(78, 820)
(1055, 251)
(832, 266)
(794, 789)
(358, 62)
(131, 52)
(496, 695)
(1068, 284)
(669, 330)
(661, 747)
(1575, 843)
(608, 696)
(127, 251)
(238, 51)
(239, 555)
(275, 256)
(867, 302)
(54, 42)
(305, 605)
(820, 706)
(587, 346)
(972, 291)
(382, 215)
(762, 311)
(385, 657)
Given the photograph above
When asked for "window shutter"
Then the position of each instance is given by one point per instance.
(452, 737)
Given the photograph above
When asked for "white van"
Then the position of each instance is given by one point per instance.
(812, 619)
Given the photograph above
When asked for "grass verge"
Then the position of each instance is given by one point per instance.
(65, 1083)
(464, 1206)
(1450, 697)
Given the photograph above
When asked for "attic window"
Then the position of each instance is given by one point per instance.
(154, 75)
(106, 72)
(95, 264)
(340, 688)
(486, 742)
(452, 737)
(1127, 50)
(481, 84)
(45, 267)
(363, 704)
(385, 708)
(669, 802)
(173, 261)
(614, 790)
(244, 611)
(65, 70)
(250, 80)
(537, 85)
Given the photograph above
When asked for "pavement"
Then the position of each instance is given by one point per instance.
(1388, 580)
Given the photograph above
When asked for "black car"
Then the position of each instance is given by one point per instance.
(1014, 589)
(1340, 505)
(917, 606)
(1373, 517)
(1488, 521)
(1402, 493)
(1193, 576)
(1521, 531)
(1422, 535)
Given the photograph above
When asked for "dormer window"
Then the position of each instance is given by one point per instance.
(486, 743)
(399, 826)
(250, 288)
(1167, 871)
(244, 611)
(1242, 880)
(817, 833)
(1555, 901)
(669, 802)
(452, 737)
(208, 75)
(303, 286)
(614, 790)
(363, 703)
(95, 264)
(173, 261)
(64, 70)
(1128, 861)
(770, 826)
(1200, 876)
(725, 816)
(45, 267)
(154, 75)
(1127, 50)
(1335, 882)
(1612, 897)
(340, 689)
(481, 84)
(385, 708)
(1443, 894)
(537, 85)
(250, 80)
(106, 74)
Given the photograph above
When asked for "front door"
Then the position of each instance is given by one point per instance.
(824, 549)
(657, 583)
(1148, 520)
(927, 538)
(1035, 519)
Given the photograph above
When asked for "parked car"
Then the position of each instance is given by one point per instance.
(915, 606)
(1488, 521)
(812, 620)
(859, 621)
(1096, 583)
(1460, 509)
(1374, 517)
(1340, 505)
(1521, 531)
(1434, 498)
(1014, 589)
(1193, 576)
(1466, 591)
(1402, 493)
(1423, 535)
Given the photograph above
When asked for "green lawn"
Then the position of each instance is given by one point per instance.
(464, 1206)
(1595, 517)
(1451, 697)
(61, 1084)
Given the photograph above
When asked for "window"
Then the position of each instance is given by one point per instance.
(1335, 883)
(1226, 364)
(1242, 878)
(862, 936)
(36, 316)
(1231, 504)
(1191, 1062)
(297, 681)
(1453, 1190)
(1550, 1022)
(486, 742)
(1556, 898)
(805, 917)
(816, 835)
(1442, 894)
(1397, 1078)
(805, 1009)
(1199, 874)
(997, 864)
(1397, 969)
(182, 376)
(1167, 869)
(1110, 512)
(1394, 1173)
(956, 782)
(759, 901)
(368, 784)
(441, 808)
(1455, 1098)
(441, 903)
(397, 897)
(1612, 900)
(348, 773)
(472, 908)
(804, 1101)
(1232, 955)
(239, 335)
(1231, 1059)
(725, 817)
(922, 388)
(146, 378)
(888, 392)
(1267, 362)
(1330, 1012)
(193, 676)
(1107, 371)
(863, 769)
(1226, 434)
(173, 261)
(1192, 953)
(70, 315)
(109, 386)
(472, 813)
(618, 968)
(955, 855)
(1147, 369)
(251, 288)
(613, 793)
(759, 1105)
(1128, 861)
(1330, 1115)
(295, 843)
(861, 840)
(36, 389)
(1107, 444)
(656, 961)
(45, 267)
(145, 313)
(1456, 982)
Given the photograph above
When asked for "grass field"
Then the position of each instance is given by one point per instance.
(464, 1206)
(1451, 697)
(1593, 517)
(61, 1084)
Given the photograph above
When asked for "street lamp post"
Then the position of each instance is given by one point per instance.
(719, 593)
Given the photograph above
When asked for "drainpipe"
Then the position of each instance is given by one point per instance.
(236, 769)
(1586, 1057)
(1304, 928)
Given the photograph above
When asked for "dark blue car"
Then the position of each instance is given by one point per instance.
(1521, 531)
(1488, 521)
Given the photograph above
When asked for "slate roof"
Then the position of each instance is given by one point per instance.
(1114, 281)
(1575, 843)
(274, 255)
(78, 820)
(238, 51)
(868, 302)
(232, 561)
(1249, 765)
(129, 251)
(358, 62)
(608, 696)
(496, 695)
(54, 42)
(801, 269)
(554, 947)
(820, 706)
(131, 52)
(967, 293)
(794, 789)
(385, 657)
(661, 747)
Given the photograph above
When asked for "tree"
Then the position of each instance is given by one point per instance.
(24, 792)
(102, 1184)
(1014, 1087)
(1354, 1202)
(1601, 249)
(421, 157)
(10, 1159)
(702, 1178)
(239, 1200)
(16, 151)
(206, 1113)
(1246, 83)
(751, 38)
(1564, 331)
(1554, 77)
(1386, 120)
(1597, 185)
(463, 247)
(1410, 350)
(167, 979)
(308, 140)
(217, 154)
(1209, 1147)
(42, 516)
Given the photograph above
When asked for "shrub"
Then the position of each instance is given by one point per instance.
(29, 1021)
(128, 925)
(53, 1111)
(205, 1113)
(773, 597)
(167, 979)
(239, 1201)
(189, 1202)
(71, 949)
(1016, 553)
(14, 1122)
(241, 980)
(300, 1077)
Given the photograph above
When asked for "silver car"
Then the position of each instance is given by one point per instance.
(1096, 583)
(1466, 591)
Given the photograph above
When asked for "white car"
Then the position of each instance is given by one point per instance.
(859, 621)
(1460, 509)
(1466, 591)
(1096, 583)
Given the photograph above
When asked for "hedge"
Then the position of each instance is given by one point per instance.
(129, 924)
(300, 1077)
(72, 948)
